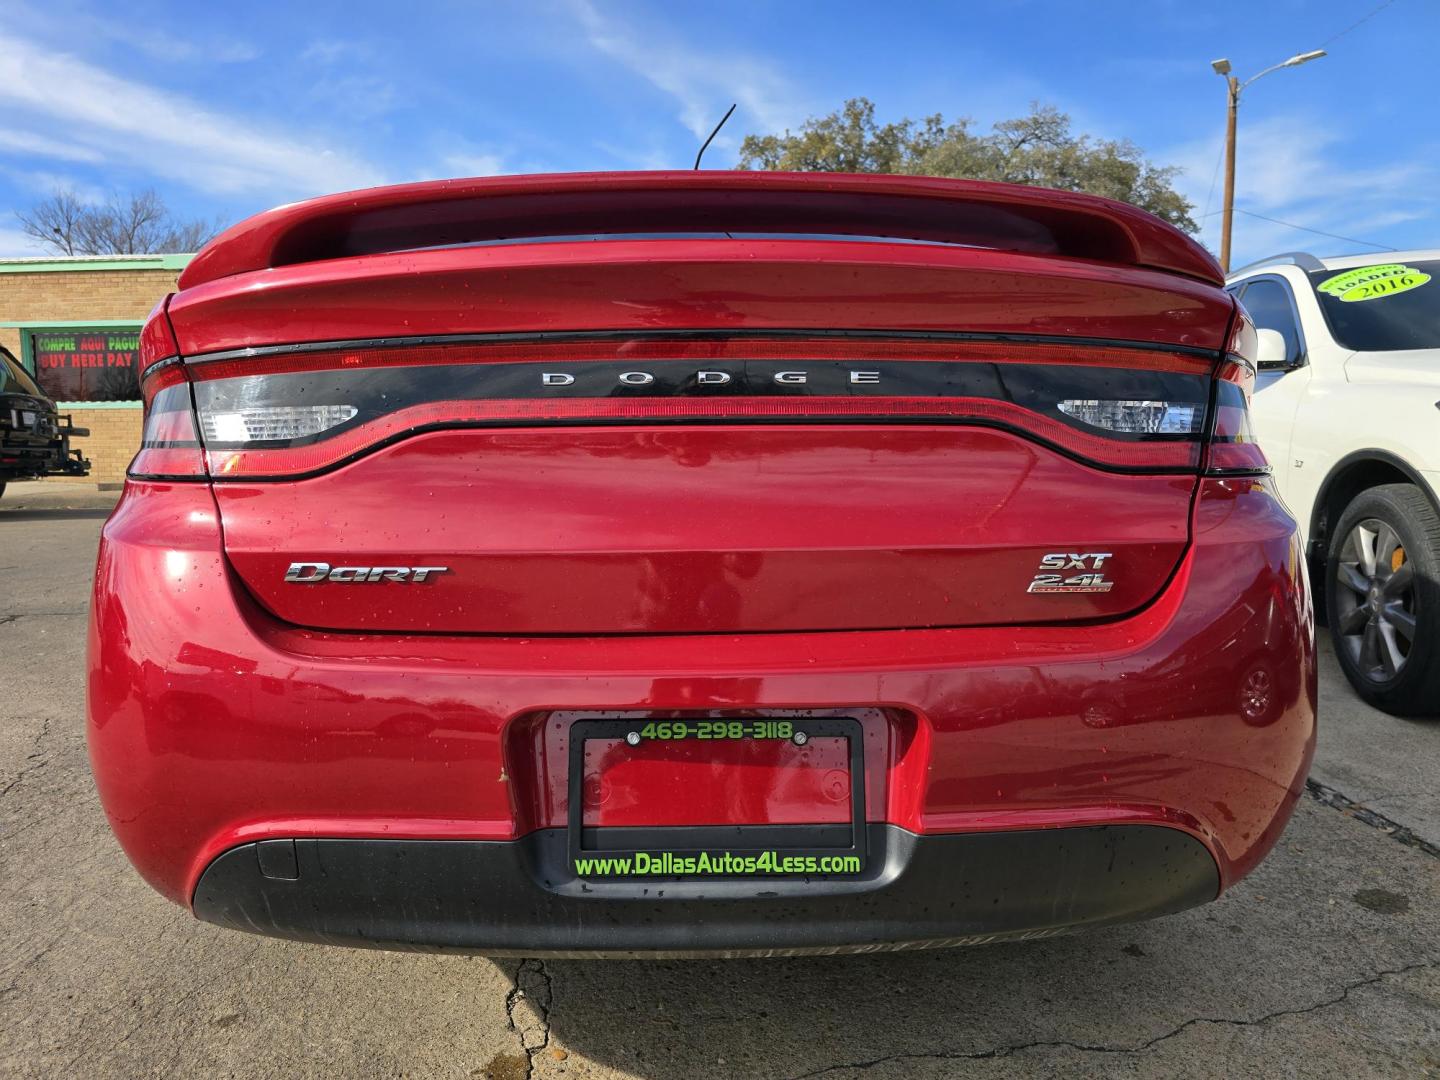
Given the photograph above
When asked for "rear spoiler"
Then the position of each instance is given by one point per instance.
(1007, 217)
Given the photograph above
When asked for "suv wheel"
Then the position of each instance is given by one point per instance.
(1382, 596)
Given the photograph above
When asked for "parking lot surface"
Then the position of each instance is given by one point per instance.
(1323, 963)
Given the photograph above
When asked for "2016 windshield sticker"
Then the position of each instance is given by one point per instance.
(1373, 282)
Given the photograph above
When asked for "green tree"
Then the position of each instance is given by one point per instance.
(1037, 149)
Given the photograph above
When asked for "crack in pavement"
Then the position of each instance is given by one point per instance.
(1336, 800)
(1062, 1044)
(36, 752)
(40, 615)
(527, 1009)
(13, 987)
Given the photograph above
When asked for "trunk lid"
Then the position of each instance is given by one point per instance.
(704, 530)
(704, 435)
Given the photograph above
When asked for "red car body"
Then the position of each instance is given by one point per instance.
(876, 592)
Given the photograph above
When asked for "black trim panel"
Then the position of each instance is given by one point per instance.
(520, 897)
(1036, 388)
(168, 478)
(159, 365)
(374, 393)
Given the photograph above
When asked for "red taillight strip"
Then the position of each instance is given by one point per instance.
(1243, 342)
(159, 463)
(157, 377)
(169, 446)
(1232, 447)
(743, 348)
(301, 460)
(174, 426)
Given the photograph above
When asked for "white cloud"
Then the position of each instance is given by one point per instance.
(14, 244)
(27, 142)
(356, 97)
(333, 50)
(171, 48)
(167, 134)
(347, 79)
(703, 83)
(1292, 168)
(45, 182)
(474, 164)
(134, 31)
(652, 158)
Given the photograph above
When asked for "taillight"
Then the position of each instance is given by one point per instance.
(296, 413)
(1244, 347)
(1233, 448)
(169, 446)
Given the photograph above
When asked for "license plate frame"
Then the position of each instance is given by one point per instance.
(681, 842)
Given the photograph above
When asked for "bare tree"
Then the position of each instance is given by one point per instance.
(55, 222)
(136, 224)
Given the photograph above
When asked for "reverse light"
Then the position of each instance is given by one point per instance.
(1136, 417)
(273, 422)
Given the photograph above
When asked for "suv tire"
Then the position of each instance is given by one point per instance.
(1382, 598)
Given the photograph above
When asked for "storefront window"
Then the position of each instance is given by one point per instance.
(87, 365)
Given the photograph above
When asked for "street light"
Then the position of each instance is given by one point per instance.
(1222, 67)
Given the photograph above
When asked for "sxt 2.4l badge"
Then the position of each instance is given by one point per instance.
(1091, 580)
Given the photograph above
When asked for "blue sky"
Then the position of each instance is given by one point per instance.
(228, 109)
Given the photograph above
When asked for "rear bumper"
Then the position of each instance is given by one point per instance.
(212, 726)
(498, 897)
(22, 459)
(24, 456)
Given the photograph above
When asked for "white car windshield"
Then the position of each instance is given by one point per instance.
(1383, 306)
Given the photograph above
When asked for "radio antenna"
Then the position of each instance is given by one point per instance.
(712, 136)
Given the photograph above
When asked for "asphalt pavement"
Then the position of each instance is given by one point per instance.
(1322, 963)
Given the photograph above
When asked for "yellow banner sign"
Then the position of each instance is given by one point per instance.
(1373, 282)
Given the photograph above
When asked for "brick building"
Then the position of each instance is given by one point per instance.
(73, 323)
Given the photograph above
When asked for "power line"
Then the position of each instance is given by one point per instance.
(1305, 228)
(1290, 224)
(1317, 232)
(1353, 25)
(1214, 175)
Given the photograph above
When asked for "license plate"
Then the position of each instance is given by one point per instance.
(717, 797)
(27, 419)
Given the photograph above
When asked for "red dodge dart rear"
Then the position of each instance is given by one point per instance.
(698, 563)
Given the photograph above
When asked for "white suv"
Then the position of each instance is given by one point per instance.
(1347, 408)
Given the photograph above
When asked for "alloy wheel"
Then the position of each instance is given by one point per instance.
(1375, 616)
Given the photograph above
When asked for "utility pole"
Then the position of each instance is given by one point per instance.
(1234, 86)
(1227, 215)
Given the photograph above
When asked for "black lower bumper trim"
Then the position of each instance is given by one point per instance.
(519, 897)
